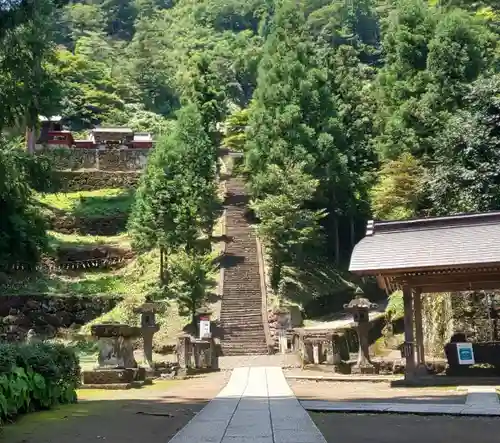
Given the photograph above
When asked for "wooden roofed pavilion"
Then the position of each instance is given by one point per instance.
(436, 254)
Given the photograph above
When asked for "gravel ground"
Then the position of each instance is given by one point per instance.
(369, 428)
(150, 414)
(368, 392)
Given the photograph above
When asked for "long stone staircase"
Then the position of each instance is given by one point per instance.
(241, 310)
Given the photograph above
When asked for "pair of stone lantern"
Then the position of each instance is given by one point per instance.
(360, 308)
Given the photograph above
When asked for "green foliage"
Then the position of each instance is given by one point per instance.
(398, 193)
(23, 237)
(89, 89)
(177, 195)
(102, 202)
(191, 278)
(235, 130)
(466, 176)
(35, 377)
(28, 85)
(289, 229)
(395, 307)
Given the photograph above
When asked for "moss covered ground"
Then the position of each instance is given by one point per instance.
(100, 202)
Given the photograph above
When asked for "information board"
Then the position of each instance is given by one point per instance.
(204, 328)
(465, 354)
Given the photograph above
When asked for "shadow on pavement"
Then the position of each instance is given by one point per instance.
(106, 421)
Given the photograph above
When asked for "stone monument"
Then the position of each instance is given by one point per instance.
(116, 366)
(360, 307)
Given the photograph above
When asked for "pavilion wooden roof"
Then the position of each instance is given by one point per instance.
(434, 254)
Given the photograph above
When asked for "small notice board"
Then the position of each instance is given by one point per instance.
(465, 354)
(204, 328)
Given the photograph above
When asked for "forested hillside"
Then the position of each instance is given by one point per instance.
(345, 110)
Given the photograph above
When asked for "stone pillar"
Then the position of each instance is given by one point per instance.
(282, 341)
(316, 353)
(330, 357)
(147, 336)
(409, 345)
(183, 352)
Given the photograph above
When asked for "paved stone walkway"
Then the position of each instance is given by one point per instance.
(257, 406)
(481, 401)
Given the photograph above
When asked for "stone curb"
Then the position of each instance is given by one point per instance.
(401, 408)
(346, 378)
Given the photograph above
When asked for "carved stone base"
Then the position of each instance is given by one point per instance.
(113, 376)
(118, 386)
(364, 369)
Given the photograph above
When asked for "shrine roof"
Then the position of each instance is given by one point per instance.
(426, 244)
(109, 130)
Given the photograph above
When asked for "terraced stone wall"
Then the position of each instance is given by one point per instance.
(46, 313)
(101, 160)
(72, 181)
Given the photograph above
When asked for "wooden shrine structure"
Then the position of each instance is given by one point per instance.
(429, 255)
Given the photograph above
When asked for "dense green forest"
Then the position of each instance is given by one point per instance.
(345, 109)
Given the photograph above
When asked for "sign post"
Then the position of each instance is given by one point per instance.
(204, 327)
(465, 354)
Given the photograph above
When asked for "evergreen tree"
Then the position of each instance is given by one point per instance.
(290, 230)
(466, 174)
(177, 194)
(191, 282)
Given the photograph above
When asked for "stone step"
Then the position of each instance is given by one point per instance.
(241, 315)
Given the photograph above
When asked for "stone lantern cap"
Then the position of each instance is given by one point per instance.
(115, 330)
(359, 302)
(203, 312)
(146, 308)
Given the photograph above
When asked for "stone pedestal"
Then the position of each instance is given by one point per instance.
(116, 366)
(196, 355)
(115, 345)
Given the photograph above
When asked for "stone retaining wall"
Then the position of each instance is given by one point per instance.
(72, 181)
(102, 160)
(110, 225)
(67, 254)
(47, 313)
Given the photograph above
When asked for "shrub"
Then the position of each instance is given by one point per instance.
(36, 376)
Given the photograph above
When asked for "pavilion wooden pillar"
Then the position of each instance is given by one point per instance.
(419, 332)
(409, 338)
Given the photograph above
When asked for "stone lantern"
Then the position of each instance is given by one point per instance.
(149, 328)
(360, 308)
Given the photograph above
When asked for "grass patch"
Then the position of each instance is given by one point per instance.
(32, 424)
(58, 239)
(97, 203)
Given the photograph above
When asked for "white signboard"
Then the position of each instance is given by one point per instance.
(465, 354)
(204, 328)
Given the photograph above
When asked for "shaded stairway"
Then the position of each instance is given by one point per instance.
(241, 311)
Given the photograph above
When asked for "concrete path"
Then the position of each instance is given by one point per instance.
(482, 396)
(256, 406)
(481, 400)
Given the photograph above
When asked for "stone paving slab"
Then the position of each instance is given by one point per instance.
(482, 396)
(344, 378)
(401, 408)
(258, 406)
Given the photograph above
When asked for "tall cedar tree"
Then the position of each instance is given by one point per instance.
(177, 195)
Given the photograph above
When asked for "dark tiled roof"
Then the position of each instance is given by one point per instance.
(455, 241)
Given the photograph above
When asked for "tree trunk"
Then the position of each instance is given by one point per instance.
(162, 273)
(195, 323)
(353, 232)
(30, 139)
(336, 239)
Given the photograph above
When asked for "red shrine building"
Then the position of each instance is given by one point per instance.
(52, 135)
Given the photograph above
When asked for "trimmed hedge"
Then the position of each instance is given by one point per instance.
(36, 376)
